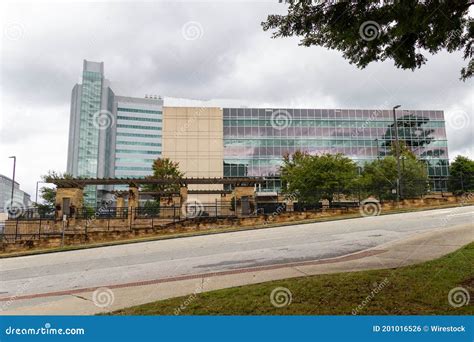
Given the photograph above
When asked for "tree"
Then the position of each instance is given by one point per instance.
(379, 177)
(313, 178)
(49, 197)
(49, 194)
(461, 174)
(164, 168)
(368, 31)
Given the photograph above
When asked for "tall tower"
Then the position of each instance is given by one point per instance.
(90, 127)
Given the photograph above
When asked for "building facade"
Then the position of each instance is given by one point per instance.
(90, 138)
(255, 139)
(20, 198)
(138, 135)
(118, 136)
(193, 136)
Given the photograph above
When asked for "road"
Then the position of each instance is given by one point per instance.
(108, 266)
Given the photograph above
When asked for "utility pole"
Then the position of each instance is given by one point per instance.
(399, 173)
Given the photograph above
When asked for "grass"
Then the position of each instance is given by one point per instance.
(414, 290)
(209, 231)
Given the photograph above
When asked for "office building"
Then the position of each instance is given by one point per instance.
(118, 136)
(20, 198)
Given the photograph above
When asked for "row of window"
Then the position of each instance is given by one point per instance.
(138, 152)
(137, 143)
(138, 135)
(284, 123)
(131, 118)
(134, 160)
(328, 113)
(134, 110)
(270, 167)
(353, 152)
(139, 127)
(302, 132)
(272, 160)
(265, 142)
(133, 168)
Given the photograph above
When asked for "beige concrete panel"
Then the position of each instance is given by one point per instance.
(193, 136)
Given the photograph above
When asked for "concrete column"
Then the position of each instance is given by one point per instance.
(72, 196)
(120, 205)
(133, 201)
(183, 194)
(244, 200)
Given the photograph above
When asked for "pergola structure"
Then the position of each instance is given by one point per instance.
(82, 182)
(70, 190)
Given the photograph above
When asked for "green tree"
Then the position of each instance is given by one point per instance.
(164, 168)
(313, 178)
(379, 177)
(49, 194)
(461, 174)
(368, 31)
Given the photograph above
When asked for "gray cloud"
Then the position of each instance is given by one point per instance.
(145, 52)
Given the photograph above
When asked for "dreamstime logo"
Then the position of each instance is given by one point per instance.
(307, 2)
(459, 120)
(280, 297)
(13, 31)
(103, 119)
(191, 298)
(370, 207)
(458, 297)
(21, 289)
(280, 119)
(192, 30)
(376, 288)
(103, 297)
(373, 116)
(14, 209)
(192, 209)
(370, 30)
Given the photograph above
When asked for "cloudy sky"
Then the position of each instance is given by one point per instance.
(190, 49)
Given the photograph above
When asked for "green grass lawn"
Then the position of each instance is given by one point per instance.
(415, 290)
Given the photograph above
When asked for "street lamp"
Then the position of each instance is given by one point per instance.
(397, 153)
(13, 181)
(36, 196)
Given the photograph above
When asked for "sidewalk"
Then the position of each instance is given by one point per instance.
(415, 249)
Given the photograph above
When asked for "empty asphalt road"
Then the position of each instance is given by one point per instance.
(108, 266)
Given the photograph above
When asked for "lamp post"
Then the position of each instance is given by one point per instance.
(13, 180)
(395, 125)
(36, 196)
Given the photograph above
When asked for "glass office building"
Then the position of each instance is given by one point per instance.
(211, 141)
(89, 139)
(138, 139)
(255, 139)
(109, 135)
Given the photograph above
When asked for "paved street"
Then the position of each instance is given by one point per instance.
(148, 261)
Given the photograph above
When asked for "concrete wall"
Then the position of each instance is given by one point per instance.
(193, 137)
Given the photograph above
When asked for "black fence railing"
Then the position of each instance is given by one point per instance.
(99, 212)
(148, 212)
(19, 213)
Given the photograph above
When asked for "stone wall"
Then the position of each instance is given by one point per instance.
(103, 230)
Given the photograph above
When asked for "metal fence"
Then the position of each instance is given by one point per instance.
(36, 223)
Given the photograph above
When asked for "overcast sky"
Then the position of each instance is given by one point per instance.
(190, 49)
